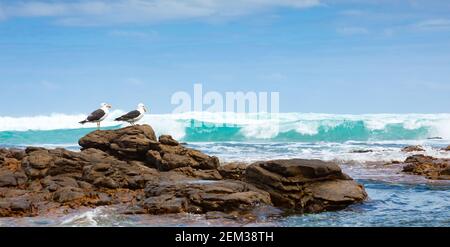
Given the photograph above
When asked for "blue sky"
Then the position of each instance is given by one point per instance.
(321, 55)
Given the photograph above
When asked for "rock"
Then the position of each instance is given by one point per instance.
(447, 148)
(169, 157)
(68, 194)
(430, 167)
(132, 142)
(15, 207)
(362, 151)
(168, 140)
(233, 171)
(410, 149)
(37, 163)
(55, 183)
(113, 173)
(176, 196)
(139, 143)
(305, 186)
(12, 179)
(200, 174)
(165, 204)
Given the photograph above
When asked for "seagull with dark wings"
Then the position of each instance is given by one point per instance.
(98, 116)
(134, 116)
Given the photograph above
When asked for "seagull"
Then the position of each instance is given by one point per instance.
(134, 116)
(98, 116)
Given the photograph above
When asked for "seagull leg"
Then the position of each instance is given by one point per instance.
(98, 126)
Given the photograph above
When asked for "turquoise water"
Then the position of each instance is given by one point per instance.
(207, 132)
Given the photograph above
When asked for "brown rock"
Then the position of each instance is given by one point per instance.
(12, 179)
(306, 186)
(430, 167)
(132, 142)
(168, 140)
(10, 207)
(234, 171)
(410, 149)
(199, 174)
(113, 173)
(68, 194)
(189, 195)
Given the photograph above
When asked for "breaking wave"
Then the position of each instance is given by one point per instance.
(211, 127)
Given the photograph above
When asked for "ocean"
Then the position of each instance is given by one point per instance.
(361, 144)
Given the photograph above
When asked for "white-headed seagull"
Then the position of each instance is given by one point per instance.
(98, 116)
(134, 116)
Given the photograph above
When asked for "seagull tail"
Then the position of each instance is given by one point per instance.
(83, 122)
(119, 119)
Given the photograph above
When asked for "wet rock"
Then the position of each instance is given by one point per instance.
(430, 167)
(410, 149)
(187, 195)
(15, 207)
(306, 186)
(234, 171)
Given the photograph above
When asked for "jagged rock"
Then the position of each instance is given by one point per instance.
(168, 140)
(234, 171)
(15, 207)
(447, 148)
(68, 194)
(113, 173)
(430, 167)
(194, 196)
(139, 143)
(10, 178)
(410, 149)
(306, 186)
(132, 142)
(199, 174)
(169, 157)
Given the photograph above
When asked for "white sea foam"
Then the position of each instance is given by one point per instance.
(259, 126)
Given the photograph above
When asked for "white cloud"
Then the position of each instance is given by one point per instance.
(352, 30)
(105, 12)
(147, 35)
(434, 25)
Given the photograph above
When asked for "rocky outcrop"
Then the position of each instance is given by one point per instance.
(447, 148)
(132, 168)
(430, 167)
(234, 171)
(194, 196)
(306, 186)
(140, 143)
(410, 149)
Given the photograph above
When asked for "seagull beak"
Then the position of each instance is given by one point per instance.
(145, 109)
